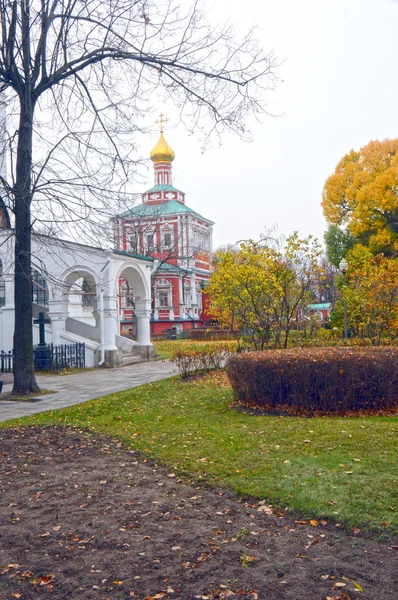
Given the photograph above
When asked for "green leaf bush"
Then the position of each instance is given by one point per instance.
(190, 361)
(317, 380)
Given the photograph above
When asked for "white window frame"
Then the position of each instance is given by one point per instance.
(164, 286)
(166, 230)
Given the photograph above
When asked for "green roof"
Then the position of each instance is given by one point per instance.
(321, 306)
(171, 207)
(134, 255)
(163, 187)
(172, 268)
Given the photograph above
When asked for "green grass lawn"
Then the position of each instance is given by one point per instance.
(343, 469)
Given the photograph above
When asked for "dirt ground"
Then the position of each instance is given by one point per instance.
(84, 518)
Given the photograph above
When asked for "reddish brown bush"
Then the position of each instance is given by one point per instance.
(317, 380)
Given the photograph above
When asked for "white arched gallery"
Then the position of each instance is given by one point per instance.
(78, 289)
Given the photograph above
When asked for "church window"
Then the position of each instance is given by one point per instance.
(133, 243)
(163, 298)
(39, 289)
(150, 242)
(167, 240)
(2, 286)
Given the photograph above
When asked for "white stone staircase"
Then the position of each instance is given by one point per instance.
(133, 353)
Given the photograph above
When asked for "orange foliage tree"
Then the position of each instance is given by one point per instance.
(361, 196)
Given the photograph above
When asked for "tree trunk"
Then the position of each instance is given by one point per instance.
(24, 375)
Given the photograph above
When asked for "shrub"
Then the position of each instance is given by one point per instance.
(315, 381)
(201, 359)
(210, 334)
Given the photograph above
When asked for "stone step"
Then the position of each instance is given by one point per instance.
(129, 359)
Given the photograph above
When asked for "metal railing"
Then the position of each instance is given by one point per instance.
(58, 358)
(6, 361)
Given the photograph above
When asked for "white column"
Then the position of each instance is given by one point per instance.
(194, 299)
(58, 321)
(143, 314)
(58, 313)
(110, 322)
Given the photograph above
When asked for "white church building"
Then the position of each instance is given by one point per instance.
(77, 288)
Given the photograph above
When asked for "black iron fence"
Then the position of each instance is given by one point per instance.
(6, 361)
(58, 358)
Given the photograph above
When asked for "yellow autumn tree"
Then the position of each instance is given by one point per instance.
(370, 290)
(262, 291)
(362, 196)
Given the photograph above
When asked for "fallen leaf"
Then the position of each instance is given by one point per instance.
(171, 475)
(10, 566)
(301, 522)
(354, 583)
(339, 584)
(46, 579)
(266, 509)
(57, 527)
(44, 535)
(332, 502)
(314, 523)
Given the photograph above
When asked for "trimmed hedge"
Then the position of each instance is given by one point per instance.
(315, 381)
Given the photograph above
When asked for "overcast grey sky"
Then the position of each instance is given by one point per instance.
(340, 91)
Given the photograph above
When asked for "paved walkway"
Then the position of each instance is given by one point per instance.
(80, 387)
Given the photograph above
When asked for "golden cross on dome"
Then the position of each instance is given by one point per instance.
(161, 121)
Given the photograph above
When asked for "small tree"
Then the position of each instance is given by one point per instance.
(78, 76)
(262, 291)
(242, 292)
(298, 272)
(371, 292)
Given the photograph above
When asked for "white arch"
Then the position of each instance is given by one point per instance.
(80, 271)
(139, 280)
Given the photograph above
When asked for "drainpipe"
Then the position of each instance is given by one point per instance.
(101, 312)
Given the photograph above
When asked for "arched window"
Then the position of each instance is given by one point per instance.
(88, 294)
(2, 286)
(39, 289)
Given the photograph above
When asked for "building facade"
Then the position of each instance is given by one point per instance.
(163, 227)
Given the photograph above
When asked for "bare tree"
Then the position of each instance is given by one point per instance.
(77, 75)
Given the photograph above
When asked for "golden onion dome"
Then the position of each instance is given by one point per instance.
(162, 151)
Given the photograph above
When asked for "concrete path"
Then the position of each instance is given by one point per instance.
(80, 387)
